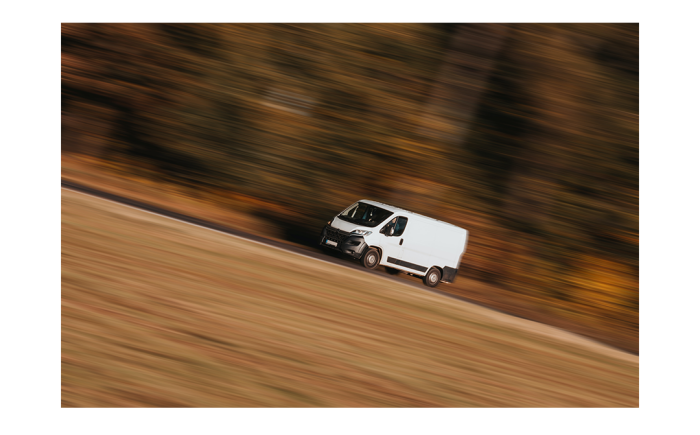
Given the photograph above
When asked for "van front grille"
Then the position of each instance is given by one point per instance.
(336, 235)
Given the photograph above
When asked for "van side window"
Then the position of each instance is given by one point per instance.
(401, 223)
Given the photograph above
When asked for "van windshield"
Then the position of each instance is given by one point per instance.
(365, 214)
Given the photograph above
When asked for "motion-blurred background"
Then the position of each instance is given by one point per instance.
(525, 134)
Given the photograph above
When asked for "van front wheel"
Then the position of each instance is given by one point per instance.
(432, 278)
(371, 258)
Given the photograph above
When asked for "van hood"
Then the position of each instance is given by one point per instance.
(349, 226)
(346, 226)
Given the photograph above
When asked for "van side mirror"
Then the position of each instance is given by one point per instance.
(391, 231)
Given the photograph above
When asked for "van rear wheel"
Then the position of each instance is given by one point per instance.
(371, 258)
(432, 278)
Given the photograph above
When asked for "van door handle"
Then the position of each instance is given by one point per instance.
(401, 242)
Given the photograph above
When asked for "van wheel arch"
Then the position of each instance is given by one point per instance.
(378, 250)
(434, 267)
(433, 277)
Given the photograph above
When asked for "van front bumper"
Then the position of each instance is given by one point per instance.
(354, 246)
(338, 240)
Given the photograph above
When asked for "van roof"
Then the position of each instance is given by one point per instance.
(397, 210)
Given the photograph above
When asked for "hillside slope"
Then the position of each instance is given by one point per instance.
(161, 313)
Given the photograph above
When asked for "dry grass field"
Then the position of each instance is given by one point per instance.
(159, 313)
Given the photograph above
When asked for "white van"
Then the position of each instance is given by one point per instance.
(380, 234)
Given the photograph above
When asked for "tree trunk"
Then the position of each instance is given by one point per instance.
(461, 81)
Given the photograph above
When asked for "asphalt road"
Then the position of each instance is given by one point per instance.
(315, 253)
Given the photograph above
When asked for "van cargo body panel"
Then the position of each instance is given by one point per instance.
(420, 241)
(449, 254)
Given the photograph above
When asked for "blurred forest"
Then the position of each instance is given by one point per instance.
(525, 134)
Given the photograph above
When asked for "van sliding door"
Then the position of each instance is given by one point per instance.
(416, 253)
(403, 237)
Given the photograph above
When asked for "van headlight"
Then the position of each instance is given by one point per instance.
(361, 232)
